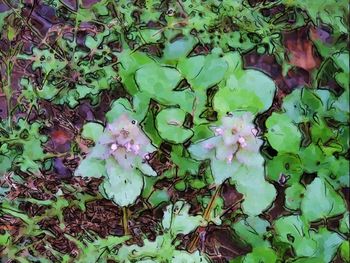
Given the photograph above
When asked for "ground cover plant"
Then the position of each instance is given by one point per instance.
(174, 131)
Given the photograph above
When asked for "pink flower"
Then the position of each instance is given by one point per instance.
(125, 141)
(235, 141)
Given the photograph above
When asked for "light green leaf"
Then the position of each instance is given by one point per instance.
(205, 74)
(177, 220)
(282, 134)
(321, 201)
(327, 242)
(285, 164)
(145, 168)
(342, 61)
(178, 49)
(294, 195)
(201, 150)
(344, 224)
(182, 256)
(92, 131)
(261, 254)
(251, 183)
(169, 123)
(344, 251)
(222, 170)
(252, 230)
(122, 186)
(91, 167)
(248, 90)
(293, 231)
(119, 107)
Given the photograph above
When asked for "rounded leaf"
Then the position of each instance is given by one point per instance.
(321, 201)
(248, 90)
(169, 123)
(122, 186)
(92, 131)
(286, 165)
(283, 135)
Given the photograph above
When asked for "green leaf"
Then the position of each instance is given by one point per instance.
(261, 254)
(177, 220)
(282, 134)
(344, 224)
(182, 256)
(251, 183)
(182, 160)
(252, 230)
(344, 251)
(158, 196)
(150, 249)
(285, 164)
(311, 157)
(4, 239)
(293, 231)
(92, 131)
(153, 78)
(209, 70)
(248, 90)
(5, 164)
(178, 49)
(321, 201)
(159, 83)
(169, 123)
(293, 106)
(121, 186)
(306, 260)
(91, 167)
(96, 251)
(294, 195)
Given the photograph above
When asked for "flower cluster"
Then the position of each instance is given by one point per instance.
(235, 139)
(124, 140)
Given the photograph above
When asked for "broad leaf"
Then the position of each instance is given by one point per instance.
(122, 186)
(248, 90)
(321, 201)
(169, 123)
(282, 134)
(177, 220)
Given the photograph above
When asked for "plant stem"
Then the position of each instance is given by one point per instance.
(125, 220)
(209, 208)
(206, 215)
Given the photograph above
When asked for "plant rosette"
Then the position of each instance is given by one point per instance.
(234, 154)
(120, 154)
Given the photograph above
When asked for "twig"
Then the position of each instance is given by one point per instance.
(206, 215)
